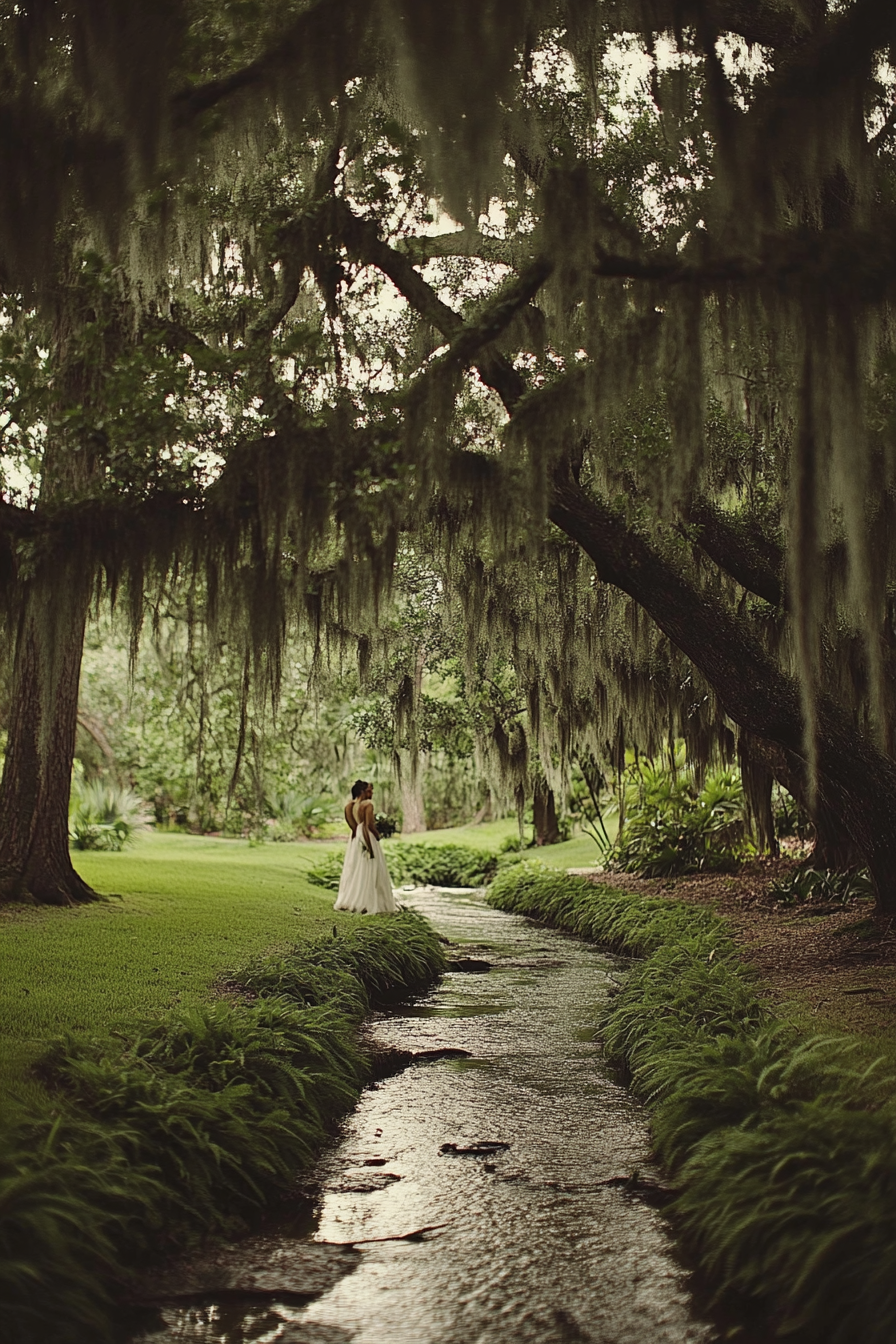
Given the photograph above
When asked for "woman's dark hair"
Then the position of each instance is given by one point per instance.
(358, 787)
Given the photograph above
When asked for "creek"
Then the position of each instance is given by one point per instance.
(499, 1193)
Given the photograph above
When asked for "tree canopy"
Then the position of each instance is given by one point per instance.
(589, 303)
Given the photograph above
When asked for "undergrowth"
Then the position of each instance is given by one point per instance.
(783, 1148)
(446, 865)
(186, 1125)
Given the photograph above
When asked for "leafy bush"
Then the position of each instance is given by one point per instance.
(446, 865)
(420, 865)
(298, 816)
(783, 1149)
(104, 816)
(813, 884)
(673, 827)
(187, 1125)
(327, 871)
(790, 819)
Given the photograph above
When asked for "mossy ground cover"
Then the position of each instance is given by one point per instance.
(782, 1145)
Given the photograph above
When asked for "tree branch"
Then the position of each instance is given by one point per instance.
(754, 560)
(334, 27)
(846, 259)
(363, 241)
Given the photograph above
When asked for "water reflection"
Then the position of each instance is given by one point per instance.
(536, 1241)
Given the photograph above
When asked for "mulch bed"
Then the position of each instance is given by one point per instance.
(835, 963)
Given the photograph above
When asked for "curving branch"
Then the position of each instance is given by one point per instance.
(335, 27)
(740, 548)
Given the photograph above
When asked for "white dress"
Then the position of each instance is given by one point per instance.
(365, 886)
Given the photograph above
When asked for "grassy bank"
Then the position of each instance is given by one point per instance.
(186, 1123)
(189, 909)
(782, 1146)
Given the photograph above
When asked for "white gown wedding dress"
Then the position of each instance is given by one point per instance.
(365, 886)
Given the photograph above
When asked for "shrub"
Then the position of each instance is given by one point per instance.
(673, 827)
(420, 865)
(446, 865)
(812, 884)
(295, 815)
(327, 871)
(104, 816)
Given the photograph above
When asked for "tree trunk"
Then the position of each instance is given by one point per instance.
(834, 846)
(51, 614)
(34, 792)
(544, 815)
(855, 780)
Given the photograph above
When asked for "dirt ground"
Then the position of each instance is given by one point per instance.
(832, 963)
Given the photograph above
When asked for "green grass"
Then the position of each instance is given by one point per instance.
(579, 852)
(191, 908)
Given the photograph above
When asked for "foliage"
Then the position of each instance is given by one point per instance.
(585, 802)
(440, 865)
(173, 725)
(104, 815)
(790, 818)
(783, 1148)
(446, 865)
(327, 871)
(619, 920)
(672, 826)
(294, 816)
(187, 1124)
(812, 884)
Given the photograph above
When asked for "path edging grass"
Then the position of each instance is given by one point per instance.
(189, 1124)
(782, 1147)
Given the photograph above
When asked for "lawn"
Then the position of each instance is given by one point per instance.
(187, 909)
(580, 852)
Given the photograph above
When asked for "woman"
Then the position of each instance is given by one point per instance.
(365, 885)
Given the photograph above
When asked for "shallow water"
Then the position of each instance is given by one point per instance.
(533, 1241)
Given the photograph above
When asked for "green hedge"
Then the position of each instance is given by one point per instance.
(187, 1125)
(421, 865)
(783, 1148)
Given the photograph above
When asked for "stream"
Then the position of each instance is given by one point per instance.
(500, 1194)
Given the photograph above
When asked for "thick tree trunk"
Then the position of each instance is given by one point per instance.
(34, 792)
(52, 604)
(835, 847)
(544, 815)
(855, 779)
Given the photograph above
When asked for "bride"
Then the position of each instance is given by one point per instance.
(365, 885)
